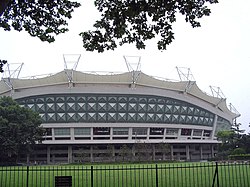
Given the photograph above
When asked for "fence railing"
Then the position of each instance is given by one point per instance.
(129, 175)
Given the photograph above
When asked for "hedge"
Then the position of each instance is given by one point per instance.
(239, 157)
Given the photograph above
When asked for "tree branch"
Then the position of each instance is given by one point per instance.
(3, 5)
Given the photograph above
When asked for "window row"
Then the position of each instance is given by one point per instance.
(136, 131)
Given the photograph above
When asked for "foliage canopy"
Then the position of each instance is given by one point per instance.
(42, 19)
(121, 22)
(135, 21)
(233, 143)
(19, 128)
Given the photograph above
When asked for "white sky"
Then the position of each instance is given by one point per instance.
(217, 53)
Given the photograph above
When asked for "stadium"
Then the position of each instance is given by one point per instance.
(92, 117)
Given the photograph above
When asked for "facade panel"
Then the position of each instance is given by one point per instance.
(127, 109)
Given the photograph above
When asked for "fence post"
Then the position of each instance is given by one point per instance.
(218, 185)
(216, 175)
(92, 176)
(27, 177)
(156, 176)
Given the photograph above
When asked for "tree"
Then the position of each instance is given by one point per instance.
(121, 22)
(135, 21)
(233, 143)
(228, 139)
(110, 152)
(42, 19)
(19, 129)
(125, 152)
(244, 142)
(3, 6)
(82, 155)
(143, 151)
(164, 148)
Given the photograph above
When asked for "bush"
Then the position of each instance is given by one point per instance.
(238, 151)
(240, 157)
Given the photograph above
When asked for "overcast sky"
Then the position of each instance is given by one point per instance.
(217, 53)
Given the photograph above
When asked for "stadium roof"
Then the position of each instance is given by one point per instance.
(189, 87)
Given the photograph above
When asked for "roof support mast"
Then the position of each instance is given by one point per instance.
(185, 74)
(133, 64)
(217, 92)
(11, 71)
(70, 64)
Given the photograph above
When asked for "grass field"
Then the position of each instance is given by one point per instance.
(131, 175)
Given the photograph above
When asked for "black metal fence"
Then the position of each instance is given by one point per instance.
(207, 174)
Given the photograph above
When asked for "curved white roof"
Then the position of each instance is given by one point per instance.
(188, 87)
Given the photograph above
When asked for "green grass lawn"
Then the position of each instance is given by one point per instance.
(129, 175)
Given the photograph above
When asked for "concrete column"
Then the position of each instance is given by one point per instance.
(48, 154)
(53, 158)
(113, 151)
(214, 126)
(178, 156)
(133, 150)
(164, 155)
(153, 146)
(164, 133)
(212, 151)
(130, 132)
(179, 134)
(172, 152)
(111, 133)
(148, 133)
(187, 152)
(72, 134)
(28, 158)
(70, 157)
(91, 133)
(201, 152)
(192, 132)
(53, 134)
(91, 153)
(35, 159)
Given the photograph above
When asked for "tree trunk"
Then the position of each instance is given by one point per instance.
(3, 6)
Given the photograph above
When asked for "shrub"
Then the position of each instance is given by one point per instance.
(240, 157)
(238, 151)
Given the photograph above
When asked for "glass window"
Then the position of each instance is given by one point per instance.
(206, 133)
(206, 147)
(140, 131)
(156, 131)
(197, 133)
(82, 131)
(120, 131)
(48, 131)
(186, 132)
(101, 131)
(62, 131)
(171, 131)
